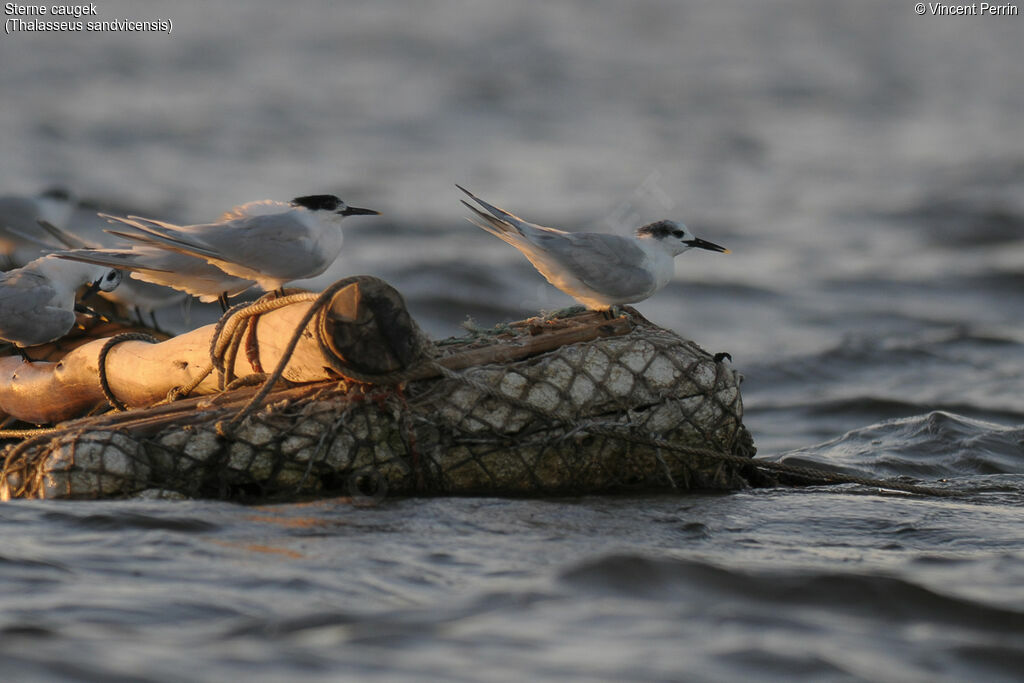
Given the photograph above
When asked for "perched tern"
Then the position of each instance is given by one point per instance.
(37, 301)
(268, 242)
(600, 271)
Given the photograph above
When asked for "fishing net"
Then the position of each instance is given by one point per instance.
(636, 408)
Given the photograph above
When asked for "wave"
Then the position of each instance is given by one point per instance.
(776, 624)
(935, 445)
(879, 596)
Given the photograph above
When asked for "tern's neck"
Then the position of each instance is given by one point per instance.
(67, 276)
(660, 260)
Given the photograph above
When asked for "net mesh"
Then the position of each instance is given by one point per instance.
(583, 418)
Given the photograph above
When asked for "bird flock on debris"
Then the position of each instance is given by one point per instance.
(57, 252)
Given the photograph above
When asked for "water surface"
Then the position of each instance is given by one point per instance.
(865, 166)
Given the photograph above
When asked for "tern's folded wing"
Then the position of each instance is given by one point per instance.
(524, 227)
(608, 264)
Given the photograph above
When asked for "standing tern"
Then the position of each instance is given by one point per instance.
(37, 301)
(268, 242)
(600, 271)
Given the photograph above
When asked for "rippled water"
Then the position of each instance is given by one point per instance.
(864, 165)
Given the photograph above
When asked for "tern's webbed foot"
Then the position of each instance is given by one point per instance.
(614, 311)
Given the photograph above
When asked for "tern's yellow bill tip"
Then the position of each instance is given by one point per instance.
(727, 251)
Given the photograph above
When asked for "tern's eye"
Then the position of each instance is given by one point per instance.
(678, 233)
(110, 281)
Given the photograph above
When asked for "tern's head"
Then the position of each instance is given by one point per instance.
(329, 204)
(110, 280)
(675, 237)
(70, 275)
(107, 280)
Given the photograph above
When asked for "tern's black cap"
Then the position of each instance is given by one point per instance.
(328, 202)
(660, 229)
(319, 202)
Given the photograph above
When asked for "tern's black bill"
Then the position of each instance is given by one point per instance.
(92, 289)
(356, 211)
(704, 244)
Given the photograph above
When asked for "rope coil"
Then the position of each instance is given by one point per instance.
(114, 402)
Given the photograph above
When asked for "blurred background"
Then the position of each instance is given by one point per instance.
(865, 165)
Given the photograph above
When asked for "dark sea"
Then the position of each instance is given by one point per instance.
(865, 165)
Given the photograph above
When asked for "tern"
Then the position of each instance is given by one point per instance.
(268, 242)
(598, 270)
(37, 301)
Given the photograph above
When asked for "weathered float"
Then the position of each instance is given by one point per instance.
(340, 393)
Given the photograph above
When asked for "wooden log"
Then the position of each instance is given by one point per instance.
(365, 318)
(203, 408)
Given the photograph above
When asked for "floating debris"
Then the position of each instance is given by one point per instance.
(371, 407)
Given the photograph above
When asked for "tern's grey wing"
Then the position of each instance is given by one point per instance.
(525, 227)
(278, 228)
(25, 285)
(64, 237)
(124, 260)
(166, 268)
(277, 244)
(608, 264)
(29, 239)
(273, 243)
(26, 316)
(161, 234)
(501, 229)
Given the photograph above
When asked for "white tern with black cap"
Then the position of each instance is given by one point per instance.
(598, 270)
(269, 242)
